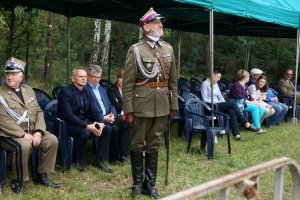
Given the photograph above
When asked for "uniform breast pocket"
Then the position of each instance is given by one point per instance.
(17, 107)
(14, 105)
(148, 63)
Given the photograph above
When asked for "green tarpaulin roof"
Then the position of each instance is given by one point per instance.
(275, 18)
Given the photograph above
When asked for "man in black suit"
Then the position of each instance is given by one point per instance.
(77, 107)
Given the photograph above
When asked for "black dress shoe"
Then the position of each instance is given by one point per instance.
(137, 191)
(43, 180)
(80, 167)
(124, 159)
(116, 162)
(101, 165)
(17, 187)
(252, 128)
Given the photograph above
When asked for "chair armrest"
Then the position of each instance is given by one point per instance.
(203, 117)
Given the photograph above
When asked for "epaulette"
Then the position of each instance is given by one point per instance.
(137, 44)
(25, 85)
(164, 42)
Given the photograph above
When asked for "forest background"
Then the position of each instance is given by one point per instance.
(40, 37)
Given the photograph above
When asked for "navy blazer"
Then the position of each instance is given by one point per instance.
(115, 97)
(70, 109)
(107, 104)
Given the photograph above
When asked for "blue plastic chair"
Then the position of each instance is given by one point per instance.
(55, 91)
(194, 80)
(2, 167)
(59, 128)
(183, 85)
(41, 94)
(197, 121)
(196, 89)
(187, 95)
(34, 160)
(105, 83)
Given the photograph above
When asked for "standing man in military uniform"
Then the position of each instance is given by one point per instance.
(22, 128)
(150, 99)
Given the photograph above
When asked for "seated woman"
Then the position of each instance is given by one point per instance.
(114, 93)
(229, 107)
(255, 92)
(270, 98)
(239, 91)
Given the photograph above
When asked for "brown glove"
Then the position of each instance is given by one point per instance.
(129, 119)
(172, 114)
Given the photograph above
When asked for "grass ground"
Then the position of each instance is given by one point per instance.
(186, 170)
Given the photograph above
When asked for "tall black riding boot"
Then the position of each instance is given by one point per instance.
(151, 159)
(137, 173)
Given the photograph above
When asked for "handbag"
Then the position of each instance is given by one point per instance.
(241, 104)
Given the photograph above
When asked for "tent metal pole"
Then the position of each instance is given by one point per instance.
(211, 56)
(294, 120)
(179, 52)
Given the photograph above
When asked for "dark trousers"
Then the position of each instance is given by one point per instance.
(82, 136)
(120, 139)
(231, 109)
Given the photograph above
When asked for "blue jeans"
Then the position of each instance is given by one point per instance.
(256, 113)
(280, 111)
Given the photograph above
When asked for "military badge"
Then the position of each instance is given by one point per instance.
(148, 65)
(31, 99)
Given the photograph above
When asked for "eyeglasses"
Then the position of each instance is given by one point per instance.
(95, 77)
(288, 74)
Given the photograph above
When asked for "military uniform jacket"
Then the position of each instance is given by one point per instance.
(145, 101)
(8, 127)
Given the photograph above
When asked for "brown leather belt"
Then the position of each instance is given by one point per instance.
(154, 84)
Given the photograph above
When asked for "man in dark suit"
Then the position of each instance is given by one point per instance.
(120, 136)
(77, 107)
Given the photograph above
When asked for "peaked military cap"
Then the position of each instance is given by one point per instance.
(14, 65)
(151, 16)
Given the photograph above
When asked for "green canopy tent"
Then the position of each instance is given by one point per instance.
(268, 18)
(231, 17)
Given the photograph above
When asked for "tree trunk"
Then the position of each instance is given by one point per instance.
(83, 35)
(140, 33)
(106, 42)
(248, 51)
(49, 53)
(120, 43)
(12, 28)
(96, 44)
(62, 27)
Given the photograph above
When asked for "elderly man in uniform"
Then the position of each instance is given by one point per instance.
(22, 128)
(150, 96)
